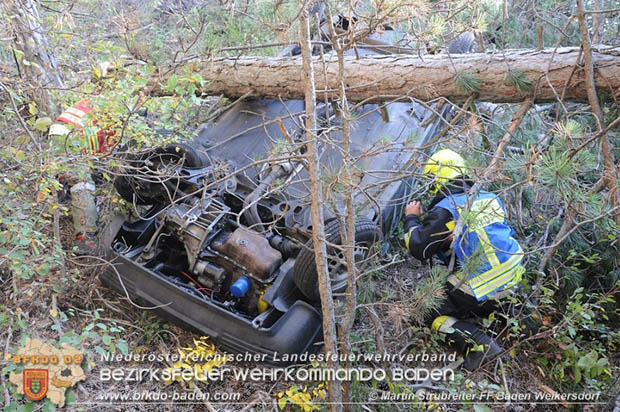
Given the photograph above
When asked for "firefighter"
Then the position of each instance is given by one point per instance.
(488, 256)
(82, 187)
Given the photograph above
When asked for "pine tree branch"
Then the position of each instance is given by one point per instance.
(611, 173)
(610, 126)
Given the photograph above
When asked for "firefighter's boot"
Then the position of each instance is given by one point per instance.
(476, 347)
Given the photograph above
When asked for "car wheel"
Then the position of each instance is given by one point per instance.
(182, 154)
(179, 154)
(304, 272)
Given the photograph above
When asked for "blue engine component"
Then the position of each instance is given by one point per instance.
(240, 286)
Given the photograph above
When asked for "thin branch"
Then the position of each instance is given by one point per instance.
(318, 228)
(601, 11)
(568, 222)
(611, 174)
(21, 119)
(594, 137)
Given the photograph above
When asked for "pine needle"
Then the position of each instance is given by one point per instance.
(519, 80)
(467, 82)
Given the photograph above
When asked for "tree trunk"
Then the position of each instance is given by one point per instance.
(384, 78)
(30, 38)
(318, 226)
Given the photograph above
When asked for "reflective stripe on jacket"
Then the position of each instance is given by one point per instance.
(489, 255)
(75, 115)
(96, 140)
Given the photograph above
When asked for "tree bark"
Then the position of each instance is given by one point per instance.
(597, 18)
(30, 38)
(345, 323)
(384, 78)
(318, 227)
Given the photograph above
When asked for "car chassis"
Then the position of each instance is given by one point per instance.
(225, 246)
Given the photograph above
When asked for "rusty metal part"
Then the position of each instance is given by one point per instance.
(209, 274)
(252, 251)
(194, 221)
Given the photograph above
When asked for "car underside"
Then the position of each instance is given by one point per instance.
(222, 240)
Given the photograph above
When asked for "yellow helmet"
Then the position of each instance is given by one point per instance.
(444, 165)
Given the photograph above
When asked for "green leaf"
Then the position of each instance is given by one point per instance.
(106, 339)
(10, 367)
(588, 361)
(100, 350)
(13, 406)
(22, 139)
(18, 53)
(70, 397)
(122, 346)
(172, 83)
(282, 403)
(577, 375)
(42, 123)
(32, 108)
(491, 317)
(482, 408)
(49, 406)
(21, 323)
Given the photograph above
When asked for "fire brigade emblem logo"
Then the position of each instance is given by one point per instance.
(36, 383)
(48, 371)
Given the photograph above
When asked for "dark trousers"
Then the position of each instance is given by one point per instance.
(461, 305)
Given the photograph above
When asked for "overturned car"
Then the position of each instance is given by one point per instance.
(224, 244)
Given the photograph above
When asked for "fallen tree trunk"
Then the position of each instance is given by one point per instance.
(384, 78)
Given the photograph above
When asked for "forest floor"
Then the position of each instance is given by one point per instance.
(145, 333)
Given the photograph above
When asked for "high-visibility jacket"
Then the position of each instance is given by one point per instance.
(95, 139)
(489, 255)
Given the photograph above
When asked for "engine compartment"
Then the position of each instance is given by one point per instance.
(202, 245)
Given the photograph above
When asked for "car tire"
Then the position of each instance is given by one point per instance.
(464, 43)
(304, 272)
(125, 184)
(192, 158)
